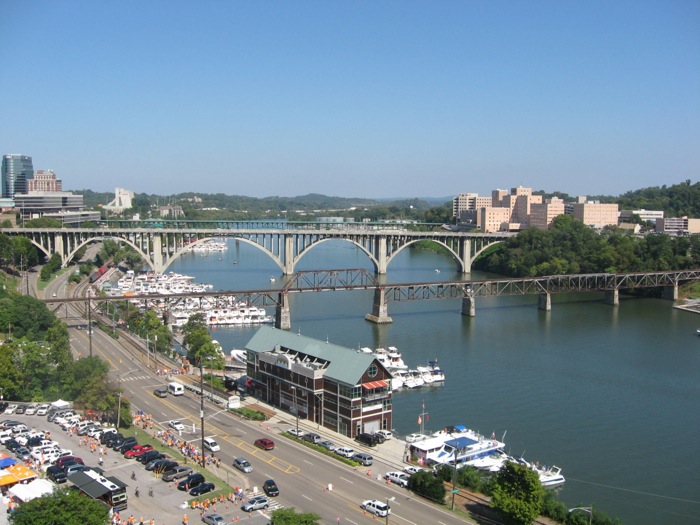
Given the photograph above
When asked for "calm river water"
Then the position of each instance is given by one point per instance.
(610, 394)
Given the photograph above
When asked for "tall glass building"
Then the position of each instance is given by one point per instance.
(16, 169)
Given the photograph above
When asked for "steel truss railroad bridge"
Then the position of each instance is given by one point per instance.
(160, 247)
(467, 291)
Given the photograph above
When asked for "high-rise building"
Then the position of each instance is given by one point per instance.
(16, 169)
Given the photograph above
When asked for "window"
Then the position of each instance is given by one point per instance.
(372, 370)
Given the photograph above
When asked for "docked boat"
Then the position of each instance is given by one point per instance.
(550, 476)
(454, 446)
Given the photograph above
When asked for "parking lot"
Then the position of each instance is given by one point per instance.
(158, 500)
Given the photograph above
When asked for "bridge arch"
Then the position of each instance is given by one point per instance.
(178, 253)
(453, 254)
(103, 238)
(483, 249)
(318, 241)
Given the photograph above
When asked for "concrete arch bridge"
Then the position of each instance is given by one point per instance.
(160, 247)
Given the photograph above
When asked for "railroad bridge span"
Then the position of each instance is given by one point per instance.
(467, 291)
(160, 247)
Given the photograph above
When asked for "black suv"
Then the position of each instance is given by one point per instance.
(370, 440)
(125, 444)
(191, 481)
(55, 474)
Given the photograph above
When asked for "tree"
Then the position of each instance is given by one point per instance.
(63, 507)
(518, 494)
(427, 485)
(290, 517)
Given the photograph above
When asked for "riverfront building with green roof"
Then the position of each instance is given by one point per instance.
(345, 390)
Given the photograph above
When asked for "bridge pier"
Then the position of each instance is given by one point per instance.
(670, 292)
(612, 297)
(283, 320)
(545, 302)
(469, 306)
(379, 313)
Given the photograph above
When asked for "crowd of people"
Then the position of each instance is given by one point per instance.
(188, 450)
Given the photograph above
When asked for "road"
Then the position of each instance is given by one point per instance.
(308, 480)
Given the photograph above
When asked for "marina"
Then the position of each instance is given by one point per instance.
(624, 377)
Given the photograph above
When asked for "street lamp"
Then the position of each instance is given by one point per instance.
(119, 406)
(585, 509)
(388, 509)
(296, 408)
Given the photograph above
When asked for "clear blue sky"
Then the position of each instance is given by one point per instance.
(353, 98)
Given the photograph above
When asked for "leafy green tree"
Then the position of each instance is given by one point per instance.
(428, 486)
(517, 494)
(291, 517)
(31, 318)
(63, 507)
(43, 222)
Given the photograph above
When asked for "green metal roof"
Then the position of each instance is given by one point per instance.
(345, 364)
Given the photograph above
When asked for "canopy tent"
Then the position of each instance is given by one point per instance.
(7, 479)
(21, 472)
(6, 461)
(60, 403)
(34, 489)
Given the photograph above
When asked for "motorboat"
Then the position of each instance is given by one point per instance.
(550, 476)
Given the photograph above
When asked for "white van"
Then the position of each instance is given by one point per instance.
(211, 445)
(176, 389)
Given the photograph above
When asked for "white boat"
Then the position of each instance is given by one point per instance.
(239, 356)
(413, 379)
(550, 476)
(391, 358)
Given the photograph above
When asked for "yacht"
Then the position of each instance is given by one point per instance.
(550, 476)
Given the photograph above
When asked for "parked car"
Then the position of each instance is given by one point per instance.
(328, 445)
(11, 409)
(191, 481)
(21, 409)
(55, 474)
(242, 465)
(412, 470)
(125, 444)
(43, 409)
(370, 440)
(256, 503)
(412, 438)
(312, 438)
(72, 469)
(149, 456)
(23, 453)
(295, 432)
(202, 489)
(161, 465)
(213, 519)
(400, 478)
(137, 450)
(376, 507)
(265, 443)
(66, 459)
(30, 410)
(362, 458)
(385, 433)
(108, 437)
(12, 445)
(176, 473)
(346, 452)
(270, 488)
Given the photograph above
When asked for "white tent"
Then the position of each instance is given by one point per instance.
(60, 404)
(34, 489)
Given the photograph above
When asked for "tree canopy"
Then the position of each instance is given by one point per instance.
(572, 247)
(63, 507)
(517, 494)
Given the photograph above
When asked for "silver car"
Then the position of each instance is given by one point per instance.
(242, 465)
(257, 503)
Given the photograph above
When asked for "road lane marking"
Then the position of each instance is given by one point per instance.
(309, 462)
(341, 477)
(304, 496)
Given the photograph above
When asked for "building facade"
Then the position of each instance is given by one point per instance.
(542, 215)
(678, 225)
(341, 389)
(595, 214)
(44, 181)
(16, 170)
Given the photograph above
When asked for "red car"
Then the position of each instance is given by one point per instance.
(137, 451)
(265, 444)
